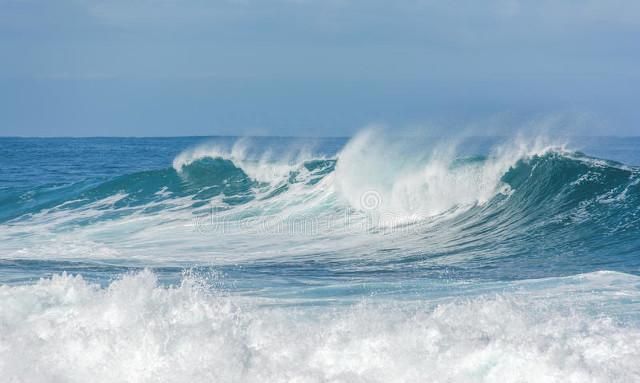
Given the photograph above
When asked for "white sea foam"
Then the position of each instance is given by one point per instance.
(66, 330)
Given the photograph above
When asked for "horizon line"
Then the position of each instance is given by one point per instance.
(306, 137)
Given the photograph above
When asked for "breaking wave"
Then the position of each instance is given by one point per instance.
(66, 329)
(391, 203)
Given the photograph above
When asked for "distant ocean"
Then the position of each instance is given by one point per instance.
(369, 259)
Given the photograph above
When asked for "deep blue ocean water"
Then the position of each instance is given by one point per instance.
(374, 258)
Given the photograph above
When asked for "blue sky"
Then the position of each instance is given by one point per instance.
(316, 67)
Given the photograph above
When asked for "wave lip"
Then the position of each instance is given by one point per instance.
(261, 165)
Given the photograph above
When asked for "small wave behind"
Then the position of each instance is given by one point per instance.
(259, 163)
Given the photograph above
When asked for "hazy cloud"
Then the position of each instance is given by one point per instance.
(393, 61)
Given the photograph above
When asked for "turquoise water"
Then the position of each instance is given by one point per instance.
(374, 258)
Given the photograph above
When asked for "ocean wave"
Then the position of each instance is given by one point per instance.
(372, 172)
(525, 201)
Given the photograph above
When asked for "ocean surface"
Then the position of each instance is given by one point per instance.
(367, 259)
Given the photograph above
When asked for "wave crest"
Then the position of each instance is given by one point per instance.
(261, 164)
(415, 183)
